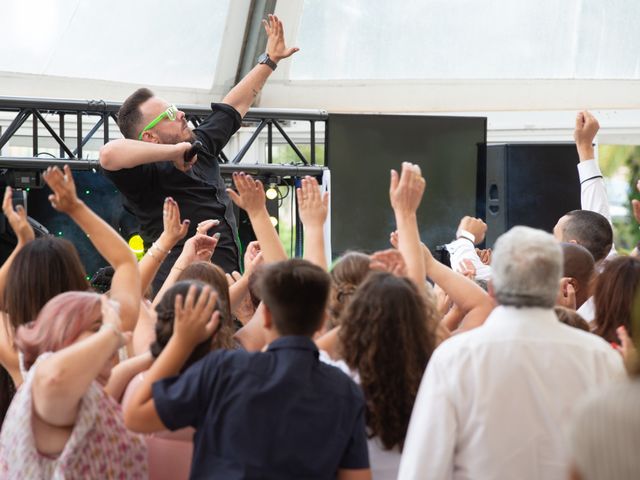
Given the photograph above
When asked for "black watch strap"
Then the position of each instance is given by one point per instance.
(266, 60)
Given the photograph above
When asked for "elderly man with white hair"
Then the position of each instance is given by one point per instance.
(495, 402)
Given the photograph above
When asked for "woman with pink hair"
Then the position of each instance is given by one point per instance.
(63, 421)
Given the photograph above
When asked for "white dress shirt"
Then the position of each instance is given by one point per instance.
(495, 401)
(462, 249)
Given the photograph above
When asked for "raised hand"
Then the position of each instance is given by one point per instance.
(406, 189)
(276, 48)
(252, 258)
(174, 229)
(196, 320)
(206, 225)
(111, 317)
(484, 255)
(474, 226)
(198, 248)
(17, 218)
(250, 195)
(393, 239)
(467, 269)
(64, 197)
(391, 261)
(585, 132)
(313, 206)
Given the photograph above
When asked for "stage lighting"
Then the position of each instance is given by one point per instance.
(137, 245)
(272, 193)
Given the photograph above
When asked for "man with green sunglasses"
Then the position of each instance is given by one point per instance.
(148, 165)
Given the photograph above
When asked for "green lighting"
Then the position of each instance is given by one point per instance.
(59, 234)
(88, 277)
(27, 189)
(87, 192)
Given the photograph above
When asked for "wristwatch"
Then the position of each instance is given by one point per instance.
(266, 60)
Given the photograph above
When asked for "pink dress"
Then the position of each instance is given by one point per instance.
(100, 446)
(169, 453)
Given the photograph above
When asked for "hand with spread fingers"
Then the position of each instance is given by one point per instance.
(196, 319)
(174, 229)
(276, 47)
(64, 198)
(250, 195)
(391, 261)
(252, 258)
(313, 205)
(406, 189)
(17, 218)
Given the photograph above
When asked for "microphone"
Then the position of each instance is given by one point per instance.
(196, 146)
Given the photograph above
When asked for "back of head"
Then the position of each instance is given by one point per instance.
(129, 114)
(571, 317)
(165, 310)
(347, 273)
(42, 269)
(591, 230)
(214, 276)
(616, 295)
(578, 263)
(295, 292)
(386, 337)
(526, 268)
(59, 324)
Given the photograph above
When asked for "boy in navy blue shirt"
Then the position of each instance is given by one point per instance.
(277, 414)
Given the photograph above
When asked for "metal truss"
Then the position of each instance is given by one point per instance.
(100, 113)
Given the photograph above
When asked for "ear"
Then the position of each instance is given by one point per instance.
(150, 137)
(573, 241)
(574, 283)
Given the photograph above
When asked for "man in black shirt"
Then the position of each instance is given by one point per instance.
(148, 164)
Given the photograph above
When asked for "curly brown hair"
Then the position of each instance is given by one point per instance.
(387, 336)
(347, 273)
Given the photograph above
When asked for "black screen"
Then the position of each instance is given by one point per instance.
(362, 149)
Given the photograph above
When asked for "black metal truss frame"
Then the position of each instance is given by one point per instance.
(103, 112)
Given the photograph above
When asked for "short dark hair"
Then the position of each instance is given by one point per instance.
(591, 230)
(129, 115)
(578, 263)
(296, 292)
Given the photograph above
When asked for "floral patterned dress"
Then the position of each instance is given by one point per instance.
(100, 446)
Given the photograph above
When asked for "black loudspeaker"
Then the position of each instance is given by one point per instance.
(530, 184)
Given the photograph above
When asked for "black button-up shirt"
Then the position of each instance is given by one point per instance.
(279, 414)
(200, 192)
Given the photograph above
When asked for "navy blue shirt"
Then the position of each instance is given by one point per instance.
(200, 192)
(279, 414)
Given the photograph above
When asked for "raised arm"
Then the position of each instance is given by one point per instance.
(245, 92)
(174, 231)
(126, 153)
(125, 286)
(195, 321)
(405, 193)
(198, 248)
(24, 233)
(313, 207)
(593, 193)
(251, 197)
(471, 231)
(62, 379)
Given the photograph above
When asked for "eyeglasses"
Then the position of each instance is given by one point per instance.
(171, 113)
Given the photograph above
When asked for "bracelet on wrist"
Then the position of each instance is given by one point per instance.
(156, 258)
(155, 245)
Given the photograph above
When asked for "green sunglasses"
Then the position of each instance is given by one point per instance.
(171, 113)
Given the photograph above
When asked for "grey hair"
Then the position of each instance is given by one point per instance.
(526, 268)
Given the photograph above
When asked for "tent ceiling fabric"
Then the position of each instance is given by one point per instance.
(468, 39)
(147, 42)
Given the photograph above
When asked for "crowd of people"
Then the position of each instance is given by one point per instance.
(513, 363)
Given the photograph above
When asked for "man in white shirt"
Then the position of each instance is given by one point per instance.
(494, 402)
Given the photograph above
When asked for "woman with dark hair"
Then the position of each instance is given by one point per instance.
(64, 412)
(615, 296)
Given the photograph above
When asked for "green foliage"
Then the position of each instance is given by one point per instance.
(623, 160)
